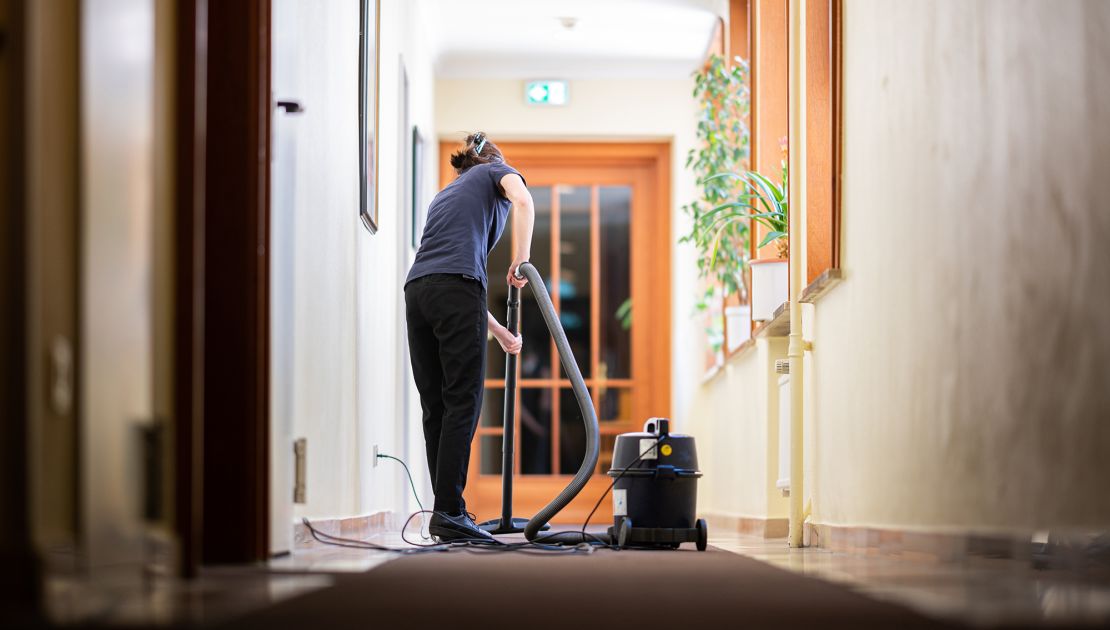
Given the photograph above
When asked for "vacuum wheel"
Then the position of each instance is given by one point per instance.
(624, 532)
(703, 534)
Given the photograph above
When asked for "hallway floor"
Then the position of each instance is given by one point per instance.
(989, 594)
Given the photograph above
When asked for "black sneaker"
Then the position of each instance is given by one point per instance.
(451, 528)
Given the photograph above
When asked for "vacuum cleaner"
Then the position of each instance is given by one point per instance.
(654, 471)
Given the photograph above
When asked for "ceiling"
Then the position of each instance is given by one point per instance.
(521, 39)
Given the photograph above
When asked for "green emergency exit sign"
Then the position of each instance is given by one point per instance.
(545, 92)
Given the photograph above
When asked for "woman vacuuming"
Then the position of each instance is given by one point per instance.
(445, 306)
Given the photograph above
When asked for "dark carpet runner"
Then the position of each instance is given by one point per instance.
(607, 589)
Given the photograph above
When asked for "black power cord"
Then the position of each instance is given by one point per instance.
(472, 545)
(415, 494)
(481, 545)
(634, 463)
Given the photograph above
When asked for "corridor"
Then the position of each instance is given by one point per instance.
(813, 332)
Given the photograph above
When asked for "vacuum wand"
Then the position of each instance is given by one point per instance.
(512, 323)
(506, 524)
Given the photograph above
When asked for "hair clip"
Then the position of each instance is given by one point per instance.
(481, 143)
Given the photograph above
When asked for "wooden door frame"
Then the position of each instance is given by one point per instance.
(654, 157)
(191, 127)
(237, 284)
(222, 276)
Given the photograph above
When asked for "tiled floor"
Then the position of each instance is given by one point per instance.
(983, 593)
(133, 600)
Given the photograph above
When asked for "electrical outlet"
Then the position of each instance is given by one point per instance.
(375, 465)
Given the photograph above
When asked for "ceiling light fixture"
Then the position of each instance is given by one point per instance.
(568, 22)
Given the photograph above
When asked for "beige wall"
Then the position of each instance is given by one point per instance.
(958, 378)
(734, 418)
(610, 109)
(961, 370)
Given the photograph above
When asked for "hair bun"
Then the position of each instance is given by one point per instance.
(477, 149)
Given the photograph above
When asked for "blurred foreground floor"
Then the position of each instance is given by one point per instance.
(986, 593)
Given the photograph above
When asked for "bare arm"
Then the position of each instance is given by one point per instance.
(509, 343)
(524, 217)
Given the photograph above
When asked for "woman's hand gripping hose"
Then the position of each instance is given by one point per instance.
(510, 343)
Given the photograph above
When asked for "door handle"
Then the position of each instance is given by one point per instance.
(291, 107)
(61, 376)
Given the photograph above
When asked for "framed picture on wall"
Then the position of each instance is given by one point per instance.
(368, 40)
(417, 193)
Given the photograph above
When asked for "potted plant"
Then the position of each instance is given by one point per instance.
(767, 203)
(723, 138)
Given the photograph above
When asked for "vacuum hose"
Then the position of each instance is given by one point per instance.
(593, 434)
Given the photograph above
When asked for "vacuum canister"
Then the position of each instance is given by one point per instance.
(656, 492)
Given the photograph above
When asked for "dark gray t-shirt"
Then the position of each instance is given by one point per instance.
(465, 221)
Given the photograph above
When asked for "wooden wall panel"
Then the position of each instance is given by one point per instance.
(739, 29)
(819, 146)
(770, 94)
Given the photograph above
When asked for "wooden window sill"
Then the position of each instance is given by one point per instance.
(821, 285)
(779, 324)
(741, 351)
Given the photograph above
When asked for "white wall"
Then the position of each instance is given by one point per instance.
(961, 370)
(341, 376)
(388, 409)
(612, 109)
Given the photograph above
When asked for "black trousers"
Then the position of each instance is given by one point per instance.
(446, 317)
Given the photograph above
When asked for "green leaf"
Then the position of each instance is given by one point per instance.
(726, 206)
(624, 314)
(725, 175)
(771, 237)
(716, 244)
(762, 189)
(769, 187)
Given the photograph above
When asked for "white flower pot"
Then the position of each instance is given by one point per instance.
(738, 323)
(770, 287)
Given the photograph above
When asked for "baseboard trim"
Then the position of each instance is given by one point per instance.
(922, 546)
(355, 527)
(749, 525)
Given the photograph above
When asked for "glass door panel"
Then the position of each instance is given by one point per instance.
(614, 405)
(497, 293)
(493, 407)
(535, 359)
(575, 272)
(572, 433)
(534, 428)
(489, 454)
(615, 293)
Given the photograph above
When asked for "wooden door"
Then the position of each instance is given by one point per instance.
(602, 244)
